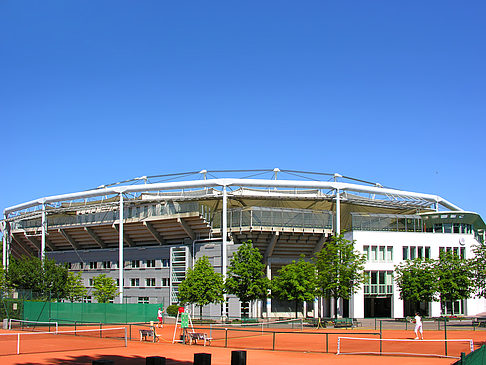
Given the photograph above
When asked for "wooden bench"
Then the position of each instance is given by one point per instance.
(144, 334)
(195, 336)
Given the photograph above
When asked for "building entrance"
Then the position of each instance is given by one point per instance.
(377, 307)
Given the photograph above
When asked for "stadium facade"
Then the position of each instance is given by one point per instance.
(157, 226)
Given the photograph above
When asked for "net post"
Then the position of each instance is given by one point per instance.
(226, 337)
(18, 343)
(445, 334)
(327, 342)
(126, 342)
(273, 345)
(339, 345)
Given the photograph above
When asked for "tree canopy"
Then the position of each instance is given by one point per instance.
(75, 290)
(295, 282)
(44, 277)
(105, 288)
(245, 276)
(339, 269)
(455, 277)
(417, 280)
(202, 285)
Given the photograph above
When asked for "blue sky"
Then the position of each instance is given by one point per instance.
(93, 92)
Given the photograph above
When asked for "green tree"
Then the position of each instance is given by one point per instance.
(295, 282)
(455, 277)
(105, 288)
(202, 285)
(45, 278)
(339, 269)
(75, 290)
(417, 280)
(246, 277)
(478, 265)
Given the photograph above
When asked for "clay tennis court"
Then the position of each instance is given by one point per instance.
(292, 348)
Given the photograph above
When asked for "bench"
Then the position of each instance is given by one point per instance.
(343, 322)
(144, 334)
(195, 336)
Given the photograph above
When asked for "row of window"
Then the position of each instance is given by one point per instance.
(413, 252)
(378, 253)
(133, 264)
(385, 253)
(135, 282)
(449, 228)
(378, 282)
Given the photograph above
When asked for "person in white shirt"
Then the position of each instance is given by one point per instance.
(160, 317)
(418, 326)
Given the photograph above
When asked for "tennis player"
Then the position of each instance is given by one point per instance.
(418, 326)
(160, 317)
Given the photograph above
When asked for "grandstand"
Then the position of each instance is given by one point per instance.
(159, 225)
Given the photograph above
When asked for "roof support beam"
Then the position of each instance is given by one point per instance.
(22, 246)
(320, 244)
(37, 244)
(126, 237)
(186, 228)
(154, 232)
(94, 236)
(271, 245)
(68, 238)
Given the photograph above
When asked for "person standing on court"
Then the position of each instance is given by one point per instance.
(418, 326)
(160, 317)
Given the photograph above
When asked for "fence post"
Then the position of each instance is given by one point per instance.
(202, 359)
(238, 357)
(445, 334)
(225, 337)
(273, 346)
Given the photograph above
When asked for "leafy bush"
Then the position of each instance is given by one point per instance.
(172, 310)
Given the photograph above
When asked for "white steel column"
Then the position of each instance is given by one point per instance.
(224, 248)
(4, 248)
(269, 300)
(338, 212)
(316, 307)
(120, 250)
(44, 231)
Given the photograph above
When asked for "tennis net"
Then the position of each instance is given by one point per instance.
(79, 339)
(296, 324)
(387, 346)
(32, 326)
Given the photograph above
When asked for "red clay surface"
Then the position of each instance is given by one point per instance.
(61, 350)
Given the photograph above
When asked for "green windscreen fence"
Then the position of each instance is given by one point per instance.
(90, 312)
(477, 357)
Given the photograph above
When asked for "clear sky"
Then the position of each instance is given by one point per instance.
(93, 92)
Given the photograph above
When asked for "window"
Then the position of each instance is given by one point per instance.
(427, 252)
(405, 252)
(165, 263)
(135, 264)
(87, 299)
(420, 252)
(143, 300)
(150, 263)
(381, 253)
(463, 252)
(165, 281)
(106, 264)
(366, 251)
(135, 282)
(374, 253)
(150, 282)
(389, 254)
(69, 266)
(93, 265)
(91, 282)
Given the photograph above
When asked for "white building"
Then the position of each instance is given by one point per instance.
(159, 225)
